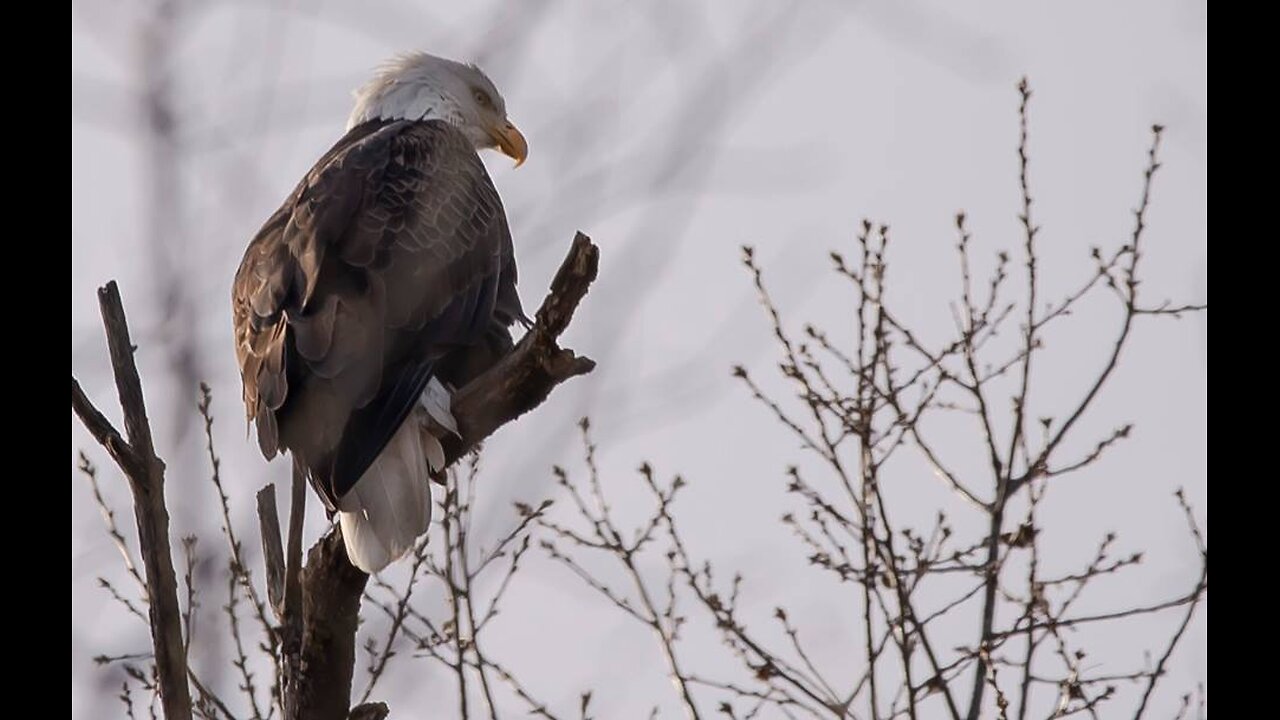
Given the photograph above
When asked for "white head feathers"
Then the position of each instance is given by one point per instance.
(418, 86)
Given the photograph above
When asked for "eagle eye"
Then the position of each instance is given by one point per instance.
(482, 99)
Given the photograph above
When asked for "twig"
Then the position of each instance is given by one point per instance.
(88, 469)
(1201, 586)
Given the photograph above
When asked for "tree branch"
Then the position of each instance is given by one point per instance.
(137, 459)
(272, 549)
(523, 379)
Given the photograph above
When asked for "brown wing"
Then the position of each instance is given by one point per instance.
(388, 259)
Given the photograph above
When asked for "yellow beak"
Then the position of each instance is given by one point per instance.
(511, 142)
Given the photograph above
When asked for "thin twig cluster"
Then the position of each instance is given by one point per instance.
(858, 409)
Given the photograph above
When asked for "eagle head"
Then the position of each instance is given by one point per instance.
(418, 86)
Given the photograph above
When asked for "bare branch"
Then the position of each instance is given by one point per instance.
(145, 472)
(524, 378)
(272, 550)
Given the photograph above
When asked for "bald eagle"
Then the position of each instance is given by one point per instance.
(386, 278)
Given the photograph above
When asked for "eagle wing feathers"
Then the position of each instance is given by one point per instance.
(390, 254)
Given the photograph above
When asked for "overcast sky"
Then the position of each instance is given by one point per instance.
(672, 133)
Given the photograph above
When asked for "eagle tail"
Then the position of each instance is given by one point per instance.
(390, 506)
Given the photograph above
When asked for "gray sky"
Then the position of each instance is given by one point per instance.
(673, 133)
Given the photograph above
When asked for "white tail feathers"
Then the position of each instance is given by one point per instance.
(438, 402)
(390, 506)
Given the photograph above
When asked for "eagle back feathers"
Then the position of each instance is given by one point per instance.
(390, 255)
